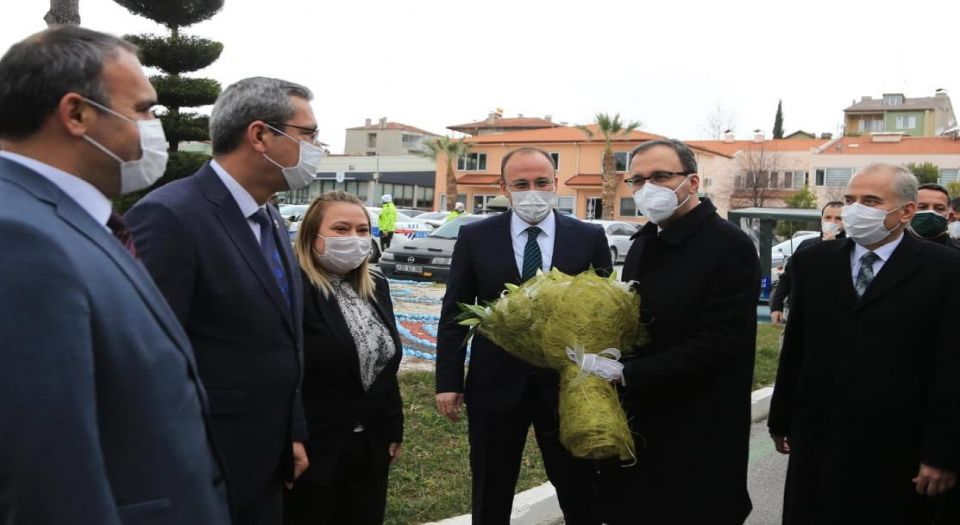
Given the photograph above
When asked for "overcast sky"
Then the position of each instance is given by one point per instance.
(434, 63)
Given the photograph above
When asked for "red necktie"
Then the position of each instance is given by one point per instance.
(120, 231)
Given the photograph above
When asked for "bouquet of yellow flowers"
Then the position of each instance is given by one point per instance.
(561, 322)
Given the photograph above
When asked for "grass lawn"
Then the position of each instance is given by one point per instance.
(431, 481)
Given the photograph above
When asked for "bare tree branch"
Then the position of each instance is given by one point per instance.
(719, 122)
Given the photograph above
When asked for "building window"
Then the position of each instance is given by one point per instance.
(371, 140)
(594, 208)
(821, 176)
(461, 197)
(472, 162)
(906, 122)
(949, 176)
(893, 100)
(774, 178)
(566, 203)
(871, 125)
(628, 208)
(556, 160)
(620, 161)
(835, 177)
(480, 201)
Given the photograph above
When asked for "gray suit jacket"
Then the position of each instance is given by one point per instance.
(102, 417)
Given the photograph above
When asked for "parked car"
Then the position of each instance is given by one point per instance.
(428, 258)
(410, 212)
(408, 228)
(783, 251)
(618, 237)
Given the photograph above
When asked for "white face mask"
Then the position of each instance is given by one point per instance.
(864, 224)
(136, 175)
(301, 175)
(954, 229)
(658, 203)
(342, 254)
(533, 206)
(830, 228)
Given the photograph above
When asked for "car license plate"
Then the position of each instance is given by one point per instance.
(409, 268)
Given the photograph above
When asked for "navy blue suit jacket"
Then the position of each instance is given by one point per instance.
(204, 257)
(483, 260)
(102, 418)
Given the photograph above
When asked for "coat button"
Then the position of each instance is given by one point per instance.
(217, 481)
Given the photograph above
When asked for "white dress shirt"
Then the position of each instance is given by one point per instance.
(248, 206)
(884, 252)
(82, 192)
(546, 239)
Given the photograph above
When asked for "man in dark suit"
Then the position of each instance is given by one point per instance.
(867, 401)
(103, 417)
(687, 392)
(931, 221)
(504, 395)
(831, 228)
(217, 250)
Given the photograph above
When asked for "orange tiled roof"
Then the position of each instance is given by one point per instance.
(782, 145)
(394, 126)
(515, 122)
(571, 134)
(907, 146)
(479, 180)
(585, 180)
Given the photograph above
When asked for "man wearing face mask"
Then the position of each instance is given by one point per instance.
(933, 209)
(686, 392)
(503, 394)
(867, 401)
(218, 251)
(831, 229)
(104, 419)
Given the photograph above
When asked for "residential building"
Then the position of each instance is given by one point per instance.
(835, 162)
(578, 158)
(497, 123)
(916, 117)
(385, 138)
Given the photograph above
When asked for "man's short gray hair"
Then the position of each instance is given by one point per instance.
(905, 184)
(250, 99)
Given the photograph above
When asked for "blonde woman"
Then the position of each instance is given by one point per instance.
(351, 354)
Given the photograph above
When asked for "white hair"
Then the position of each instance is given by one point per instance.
(905, 184)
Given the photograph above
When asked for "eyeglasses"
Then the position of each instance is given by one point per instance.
(657, 177)
(314, 132)
(524, 185)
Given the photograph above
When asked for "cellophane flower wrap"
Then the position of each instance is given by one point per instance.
(552, 315)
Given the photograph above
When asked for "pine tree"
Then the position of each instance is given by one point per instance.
(175, 55)
(778, 121)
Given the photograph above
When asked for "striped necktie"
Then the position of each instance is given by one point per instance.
(120, 231)
(532, 258)
(268, 245)
(865, 275)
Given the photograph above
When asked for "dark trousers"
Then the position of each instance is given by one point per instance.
(496, 448)
(357, 495)
(385, 238)
(267, 510)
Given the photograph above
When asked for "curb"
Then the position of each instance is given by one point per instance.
(539, 505)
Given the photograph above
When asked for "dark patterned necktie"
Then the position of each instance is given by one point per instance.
(271, 252)
(532, 258)
(120, 231)
(865, 275)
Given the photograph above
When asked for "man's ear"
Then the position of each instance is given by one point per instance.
(254, 136)
(694, 182)
(74, 115)
(909, 210)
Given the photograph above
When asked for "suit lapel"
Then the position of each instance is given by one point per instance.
(333, 317)
(901, 265)
(564, 238)
(76, 218)
(502, 247)
(840, 273)
(238, 230)
(388, 320)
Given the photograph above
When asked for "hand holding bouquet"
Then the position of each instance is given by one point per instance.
(574, 325)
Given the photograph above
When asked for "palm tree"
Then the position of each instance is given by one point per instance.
(610, 128)
(449, 149)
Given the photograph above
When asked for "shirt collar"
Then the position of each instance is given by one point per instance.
(548, 225)
(82, 192)
(884, 252)
(683, 227)
(248, 206)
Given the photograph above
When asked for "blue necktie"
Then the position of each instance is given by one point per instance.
(268, 245)
(532, 258)
(865, 275)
